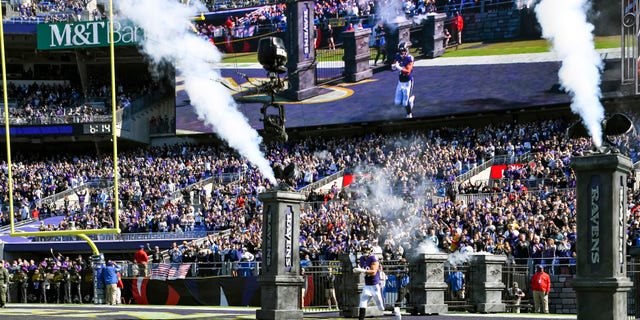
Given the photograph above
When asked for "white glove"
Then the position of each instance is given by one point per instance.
(398, 68)
(358, 270)
(395, 67)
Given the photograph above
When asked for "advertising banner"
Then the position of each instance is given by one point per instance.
(56, 36)
(221, 291)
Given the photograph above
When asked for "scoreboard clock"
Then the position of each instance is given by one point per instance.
(96, 128)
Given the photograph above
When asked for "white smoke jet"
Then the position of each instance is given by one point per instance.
(169, 39)
(390, 12)
(564, 23)
(427, 247)
(458, 258)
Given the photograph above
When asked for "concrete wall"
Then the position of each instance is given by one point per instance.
(522, 23)
(491, 26)
(562, 298)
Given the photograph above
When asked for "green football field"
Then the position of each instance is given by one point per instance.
(470, 49)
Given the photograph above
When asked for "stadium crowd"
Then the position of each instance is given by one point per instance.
(51, 11)
(405, 192)
(66, 102)
(406, 189)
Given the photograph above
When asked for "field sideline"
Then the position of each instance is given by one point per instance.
(471, 49)
(20, 311)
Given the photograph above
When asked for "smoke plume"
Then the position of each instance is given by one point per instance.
(169, 39)
(564, 24)
(390, 12)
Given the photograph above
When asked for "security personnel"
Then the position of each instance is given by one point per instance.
(76, 290)
(4, 284)
(38, 285)
(56, 285)
(20, 279)
(65, 285)
(541, 286)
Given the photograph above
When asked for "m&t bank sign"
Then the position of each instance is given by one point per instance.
(56, 36)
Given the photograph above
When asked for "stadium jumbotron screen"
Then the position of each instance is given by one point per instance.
(476, 77)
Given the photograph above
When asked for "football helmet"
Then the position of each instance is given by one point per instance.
(403, 47)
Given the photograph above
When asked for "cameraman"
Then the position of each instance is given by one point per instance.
(403, 282)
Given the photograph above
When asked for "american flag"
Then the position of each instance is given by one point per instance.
(159, 271)
(178, 271)
(169, 271)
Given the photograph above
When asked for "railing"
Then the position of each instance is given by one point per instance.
(7, 227)
(227, 177)
(133, 236)
(531, 184)
(562, 297)
(500, 159)
(138, 105)
(55, 119)
(220, 5)
(474, 171)
(108, 184)
(330, 65)
(97, 183)
(473, 197)
(316, 275)
(465, 7)
(317, 184)
(25, 20)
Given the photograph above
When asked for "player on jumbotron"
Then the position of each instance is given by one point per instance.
(403, 64)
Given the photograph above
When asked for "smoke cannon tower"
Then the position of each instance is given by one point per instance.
(427, 284)
(280, 280)
(601, 282)
(302, 56)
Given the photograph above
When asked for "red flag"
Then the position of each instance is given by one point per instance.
(347, 179)
(497, 171)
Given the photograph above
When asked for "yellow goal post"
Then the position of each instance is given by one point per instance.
(116, 202)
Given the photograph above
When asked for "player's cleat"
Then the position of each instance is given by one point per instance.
(409, 116)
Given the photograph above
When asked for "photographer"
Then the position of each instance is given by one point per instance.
(380, 44)
(402, 282)
(516, 294)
